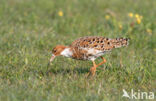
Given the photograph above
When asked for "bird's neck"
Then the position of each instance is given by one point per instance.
(67, 52)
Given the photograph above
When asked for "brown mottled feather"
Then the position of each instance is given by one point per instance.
(100, 43)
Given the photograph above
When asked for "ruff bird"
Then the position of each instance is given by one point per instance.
(89, 48)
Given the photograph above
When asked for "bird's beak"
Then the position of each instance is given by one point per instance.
(52, 57)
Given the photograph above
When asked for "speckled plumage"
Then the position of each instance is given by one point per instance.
(89, 48)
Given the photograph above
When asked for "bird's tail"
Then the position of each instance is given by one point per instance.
(119, 42)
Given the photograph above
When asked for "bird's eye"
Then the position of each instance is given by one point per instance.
(54, 50)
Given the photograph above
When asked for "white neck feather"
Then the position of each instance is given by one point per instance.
(67, 52)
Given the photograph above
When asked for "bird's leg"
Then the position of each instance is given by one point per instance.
(92, 69)
(104, 60)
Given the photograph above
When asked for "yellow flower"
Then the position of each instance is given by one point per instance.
(149, 31)
(137, 16)
(130, 15)
(120, 26)
(138, 20)
(107, 17)
(60, 13)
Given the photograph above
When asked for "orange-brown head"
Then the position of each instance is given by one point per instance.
(57, 51)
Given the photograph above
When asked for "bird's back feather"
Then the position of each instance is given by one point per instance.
(100, 43)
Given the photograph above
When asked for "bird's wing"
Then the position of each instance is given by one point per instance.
(98, 43)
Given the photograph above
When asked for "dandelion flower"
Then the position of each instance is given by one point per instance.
(130, 15)
(138, 20)
(137, 16)
(107, 17)
(60, 13)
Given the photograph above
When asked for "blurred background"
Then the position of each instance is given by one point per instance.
(29, 29)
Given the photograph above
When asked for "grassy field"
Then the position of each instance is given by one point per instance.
(29, 29)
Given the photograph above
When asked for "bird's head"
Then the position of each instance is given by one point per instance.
(57, 51)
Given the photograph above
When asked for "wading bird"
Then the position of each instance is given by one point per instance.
(89, 48)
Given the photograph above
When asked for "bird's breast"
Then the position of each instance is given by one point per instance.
(67, 52)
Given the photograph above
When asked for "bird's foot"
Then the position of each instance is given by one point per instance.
(92, 72)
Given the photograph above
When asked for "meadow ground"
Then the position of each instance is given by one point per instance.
(29, 29)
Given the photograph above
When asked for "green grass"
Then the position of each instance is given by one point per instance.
(29, 29)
